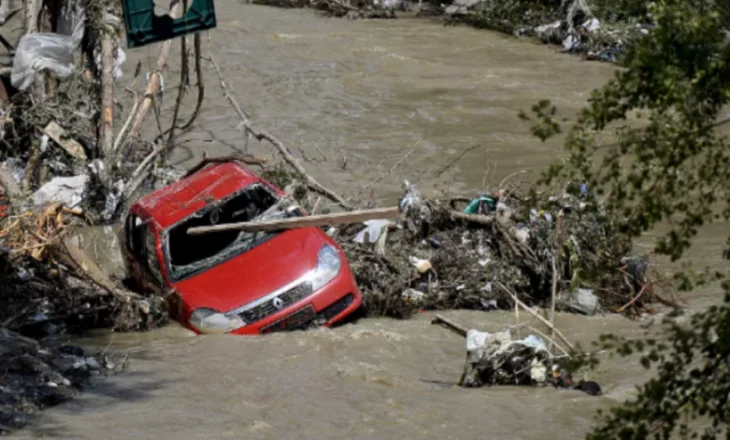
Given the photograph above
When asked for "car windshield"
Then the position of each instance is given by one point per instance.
(188, 255)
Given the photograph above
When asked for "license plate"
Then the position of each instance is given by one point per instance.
(295, 321)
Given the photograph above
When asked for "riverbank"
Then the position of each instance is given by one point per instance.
(595, 31)
(41, 375)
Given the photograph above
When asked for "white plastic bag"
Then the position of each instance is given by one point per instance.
(46, 51)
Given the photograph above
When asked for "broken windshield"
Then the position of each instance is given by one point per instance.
(188, 255)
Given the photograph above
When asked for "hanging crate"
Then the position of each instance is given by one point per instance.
(145, 27)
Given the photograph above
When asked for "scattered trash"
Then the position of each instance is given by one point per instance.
(373, 230)
(414, 210)
(481, 205)
(414, 296)
(58, 134)
(498, 359)
(474, 258)
(16, 168)
(584, 301)
(421, 265)
(67, 190)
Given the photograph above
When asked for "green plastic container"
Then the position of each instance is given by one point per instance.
(144, 27)
(472, 207)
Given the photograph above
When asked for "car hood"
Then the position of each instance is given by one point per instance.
(255, 273)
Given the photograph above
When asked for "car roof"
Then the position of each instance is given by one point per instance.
(179, 200)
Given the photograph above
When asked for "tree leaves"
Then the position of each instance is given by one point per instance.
(669, 167)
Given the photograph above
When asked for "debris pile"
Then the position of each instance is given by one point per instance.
(577, 26)
(36, 376)
(500, 359)
(441, 257)
(51, 287)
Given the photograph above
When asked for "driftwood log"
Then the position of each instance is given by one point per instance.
(301, 222)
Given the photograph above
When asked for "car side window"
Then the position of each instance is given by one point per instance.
(153, 264)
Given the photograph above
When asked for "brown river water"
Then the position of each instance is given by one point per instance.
(368, 91)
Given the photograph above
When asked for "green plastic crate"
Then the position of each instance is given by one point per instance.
(144, 27)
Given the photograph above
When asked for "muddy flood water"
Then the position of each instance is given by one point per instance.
(364, 93)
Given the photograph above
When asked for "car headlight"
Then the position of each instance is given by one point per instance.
(328, 266)
(209, 321)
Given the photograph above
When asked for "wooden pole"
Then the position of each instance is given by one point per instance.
(106, 121)
(537, 315)
(301, 222)
(456, 328)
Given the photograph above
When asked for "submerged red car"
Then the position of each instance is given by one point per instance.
(235, 281)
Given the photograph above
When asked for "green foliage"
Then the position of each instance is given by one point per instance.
(675, 167)
(691, 389)
(545, 125)
(669, 165)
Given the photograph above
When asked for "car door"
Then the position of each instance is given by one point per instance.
(141, 248)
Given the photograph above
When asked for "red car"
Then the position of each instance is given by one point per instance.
(235, 281)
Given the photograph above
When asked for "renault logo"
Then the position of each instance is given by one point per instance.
(278, 303)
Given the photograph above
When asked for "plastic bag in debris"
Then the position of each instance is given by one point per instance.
(372, 231)
(16, 168)
(112, 200)
(477, 343)
(46, 51)
(592, 24)
(534, 342)
(413, 209)
(67, 190)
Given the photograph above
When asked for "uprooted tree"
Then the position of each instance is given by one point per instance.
(669, 165)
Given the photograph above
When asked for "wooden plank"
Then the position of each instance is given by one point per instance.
(58, 134)
(301, 222)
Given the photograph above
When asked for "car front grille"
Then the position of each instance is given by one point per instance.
(336, 308)
(267, 308)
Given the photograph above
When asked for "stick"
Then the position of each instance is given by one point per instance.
(516, 173)
(260, 135)
(120, 135)
(138, 175)
(201, 85)
(60, 136)
(450, 164)
(181, 89)
(301, 222)
(552, 341)
(517, 320)
(106, 126)
(316, 205)
(384, 175)
(552, 305)
(456, 328)
(634, 299)
(479, 219)
(154, 83)
(537, 315)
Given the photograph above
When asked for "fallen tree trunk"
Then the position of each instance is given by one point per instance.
(301, 222)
